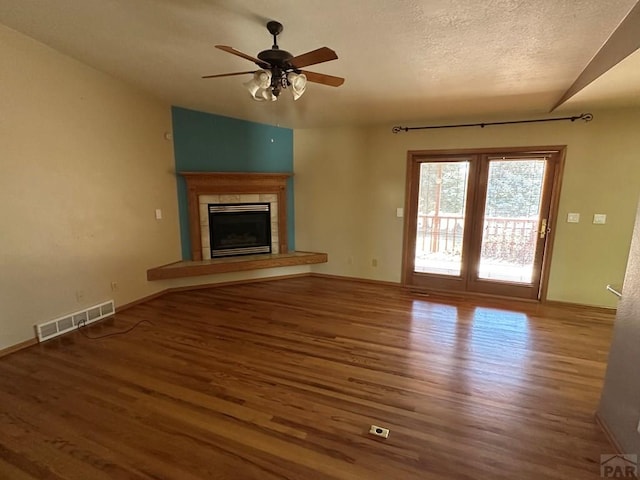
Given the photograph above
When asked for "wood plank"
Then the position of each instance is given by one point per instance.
(282, 379)
(189, 268)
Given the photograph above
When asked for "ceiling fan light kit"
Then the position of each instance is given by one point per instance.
(261, 86)
(279, 70)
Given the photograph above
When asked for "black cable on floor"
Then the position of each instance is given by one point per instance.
(83, 324)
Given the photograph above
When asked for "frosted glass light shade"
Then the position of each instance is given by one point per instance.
(298, 83)
(259, 86)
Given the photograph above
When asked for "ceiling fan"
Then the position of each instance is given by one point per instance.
(280, 70)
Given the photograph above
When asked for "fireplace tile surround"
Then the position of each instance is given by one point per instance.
(205, 200)
(204, 188)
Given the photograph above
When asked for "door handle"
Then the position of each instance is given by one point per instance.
(543, 228)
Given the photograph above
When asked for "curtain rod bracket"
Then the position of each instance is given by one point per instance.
(587, 117)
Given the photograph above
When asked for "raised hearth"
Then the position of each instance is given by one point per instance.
(234, 264)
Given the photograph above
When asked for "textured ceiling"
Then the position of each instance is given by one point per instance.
(404, 61)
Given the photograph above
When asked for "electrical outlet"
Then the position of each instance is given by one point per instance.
(374, 262)
(600, 219)
(379, 431)
(573, 218)
(114, 286)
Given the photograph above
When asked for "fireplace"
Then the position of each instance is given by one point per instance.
(239, 229)
(206, 188)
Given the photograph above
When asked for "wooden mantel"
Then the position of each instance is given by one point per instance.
(216, 183)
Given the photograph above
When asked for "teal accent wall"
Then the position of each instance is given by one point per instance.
(204, 142)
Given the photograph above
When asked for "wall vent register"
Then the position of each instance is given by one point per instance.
(70, 322)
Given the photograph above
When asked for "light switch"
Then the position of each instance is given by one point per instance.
(400, 212)
(573, 218)
(158, 214)
(599, 219)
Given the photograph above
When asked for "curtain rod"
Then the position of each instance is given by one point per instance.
(587, 117)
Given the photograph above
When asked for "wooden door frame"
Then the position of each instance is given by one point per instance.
(415, 157)
(408, 256)
(513, 289)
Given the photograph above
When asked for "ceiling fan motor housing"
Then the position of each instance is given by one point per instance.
(276, 57)
(278, 60)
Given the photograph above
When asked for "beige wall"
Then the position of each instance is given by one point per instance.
(349, 182)
(83, 166)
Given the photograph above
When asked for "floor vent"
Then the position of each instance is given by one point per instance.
(70, 322)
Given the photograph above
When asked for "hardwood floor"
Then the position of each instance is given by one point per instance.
(282, 379)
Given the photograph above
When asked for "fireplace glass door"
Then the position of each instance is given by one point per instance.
(239, 229)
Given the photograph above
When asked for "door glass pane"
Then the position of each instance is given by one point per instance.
(441, 206)
(511, 219)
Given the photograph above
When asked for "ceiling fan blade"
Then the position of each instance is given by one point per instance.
(228, 74)
(238, 53)
(320, 55)
(323, 78)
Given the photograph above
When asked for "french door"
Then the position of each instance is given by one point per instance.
(481, 221)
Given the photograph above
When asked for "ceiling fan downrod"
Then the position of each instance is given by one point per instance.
(275, 29)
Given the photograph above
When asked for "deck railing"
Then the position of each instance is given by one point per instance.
(510, 240)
